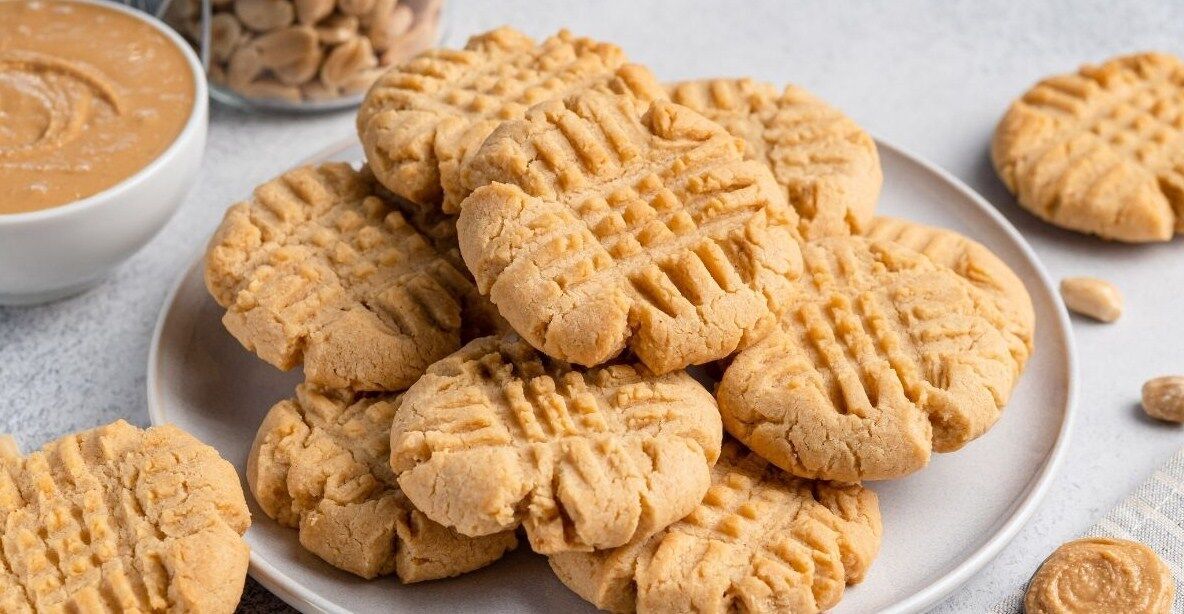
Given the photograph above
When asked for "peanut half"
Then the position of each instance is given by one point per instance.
(245, 65)
(286, 46)
(386, 26)
(1163, 398)
(337, 29)
(1092, 297)
(309, 12)
(346, 61)
(412, 41)
(225, 32)
(264, 15)
(356, 8)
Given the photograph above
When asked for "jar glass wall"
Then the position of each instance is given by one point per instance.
(302, 55)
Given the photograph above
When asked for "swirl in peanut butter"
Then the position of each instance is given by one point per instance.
(88, 96)
(1101, 574)
(51, 100)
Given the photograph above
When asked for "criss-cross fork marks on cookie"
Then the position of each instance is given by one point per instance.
(495, 436)
(118, 520)
(316, 268)
(320, 463)
(421, 119)
(1005, 300)
(827, 164)
(760, 541)
(880, 358)
(1100, 151)
(597, 224)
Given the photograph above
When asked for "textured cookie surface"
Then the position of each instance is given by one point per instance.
(480, 316)
(880, 358)
(602, 225)
(118, 519)
(1101, 151)
(320, 463)
(1010, 305)
(317, 268)
(437, 227)
(761, 541)
(421, 119)
(495, 436)
(827, 164)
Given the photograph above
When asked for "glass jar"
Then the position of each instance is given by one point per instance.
(302, 55)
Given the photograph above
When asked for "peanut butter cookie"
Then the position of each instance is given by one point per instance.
(1008, 304)
(317, 268)
(420, 120)
(761, 541)
(320, 463)
(1100, 151)
(827, 164)
(496, 436)
(881, 357)
(603, 225)
(119, 519)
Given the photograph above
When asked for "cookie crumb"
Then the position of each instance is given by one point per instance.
(1163, 398)
(1093, 297)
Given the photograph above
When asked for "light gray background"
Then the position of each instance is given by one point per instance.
(931, 76)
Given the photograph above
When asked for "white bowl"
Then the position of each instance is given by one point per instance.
(60, 251)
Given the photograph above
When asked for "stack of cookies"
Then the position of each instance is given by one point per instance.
(496, 314)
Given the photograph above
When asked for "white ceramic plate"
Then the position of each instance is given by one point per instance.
(941, 525)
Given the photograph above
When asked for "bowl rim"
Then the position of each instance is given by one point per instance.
(193, 125)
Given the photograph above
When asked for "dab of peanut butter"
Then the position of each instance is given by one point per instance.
(1102, 575)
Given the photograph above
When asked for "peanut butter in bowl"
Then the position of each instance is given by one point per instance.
(89, 95)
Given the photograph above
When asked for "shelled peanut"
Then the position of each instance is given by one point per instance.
(307, 50)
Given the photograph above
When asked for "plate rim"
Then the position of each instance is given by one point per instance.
(1039, 487)
(304, 599)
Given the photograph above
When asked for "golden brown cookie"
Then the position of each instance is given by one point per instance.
(318, 268)
(496, 436)
(320, 463)
(827, 164)
(881, 357)
(1008, 306)
(119, 519)
(603, 226)
(760, 541)
(1101, 151)
(420, 120)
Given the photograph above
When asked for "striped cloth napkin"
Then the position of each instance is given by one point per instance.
(1152, 514)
